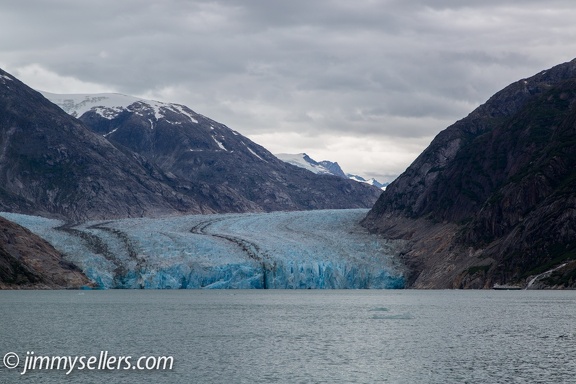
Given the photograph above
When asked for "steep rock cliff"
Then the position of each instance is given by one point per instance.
(52, 165)
(27, 261)
(502, 182)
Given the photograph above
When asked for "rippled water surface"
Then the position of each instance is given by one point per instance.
(307, 336)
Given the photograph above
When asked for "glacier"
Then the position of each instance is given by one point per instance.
(289, 250)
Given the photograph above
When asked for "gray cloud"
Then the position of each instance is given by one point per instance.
(299, 76)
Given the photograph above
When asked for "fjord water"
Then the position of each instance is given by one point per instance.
(300, 336)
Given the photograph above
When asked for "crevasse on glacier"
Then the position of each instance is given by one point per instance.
(305, 249)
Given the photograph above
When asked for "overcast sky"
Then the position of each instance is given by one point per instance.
(367, 83)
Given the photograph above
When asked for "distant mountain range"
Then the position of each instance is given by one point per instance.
(371, 181)
(492, 200)
(118, 156)
(221, 169)
(325, 167)
(114, 156)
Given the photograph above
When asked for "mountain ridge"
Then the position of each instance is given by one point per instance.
(231, 172)
(52, 165)
(111, 166)
(500, 184)
(325, 167)
(138, 158)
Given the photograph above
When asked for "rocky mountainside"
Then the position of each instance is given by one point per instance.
(144, 160)
(52, 165)
(334, 168)
(139, 159)
(228, 172)
(493, 198)
(27, 261)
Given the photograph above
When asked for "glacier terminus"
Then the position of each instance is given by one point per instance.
(290, 250)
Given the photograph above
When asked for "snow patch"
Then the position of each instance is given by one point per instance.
(180, 109)
(220, 144)
(111, 132)
(252, 152)
(107, 113)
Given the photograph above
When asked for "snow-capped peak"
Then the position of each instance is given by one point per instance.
(371, 181)
(302, 160)
(109, 105)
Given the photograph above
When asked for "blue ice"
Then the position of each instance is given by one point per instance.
(292, 250)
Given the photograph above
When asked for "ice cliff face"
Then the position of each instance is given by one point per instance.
(313, 249)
